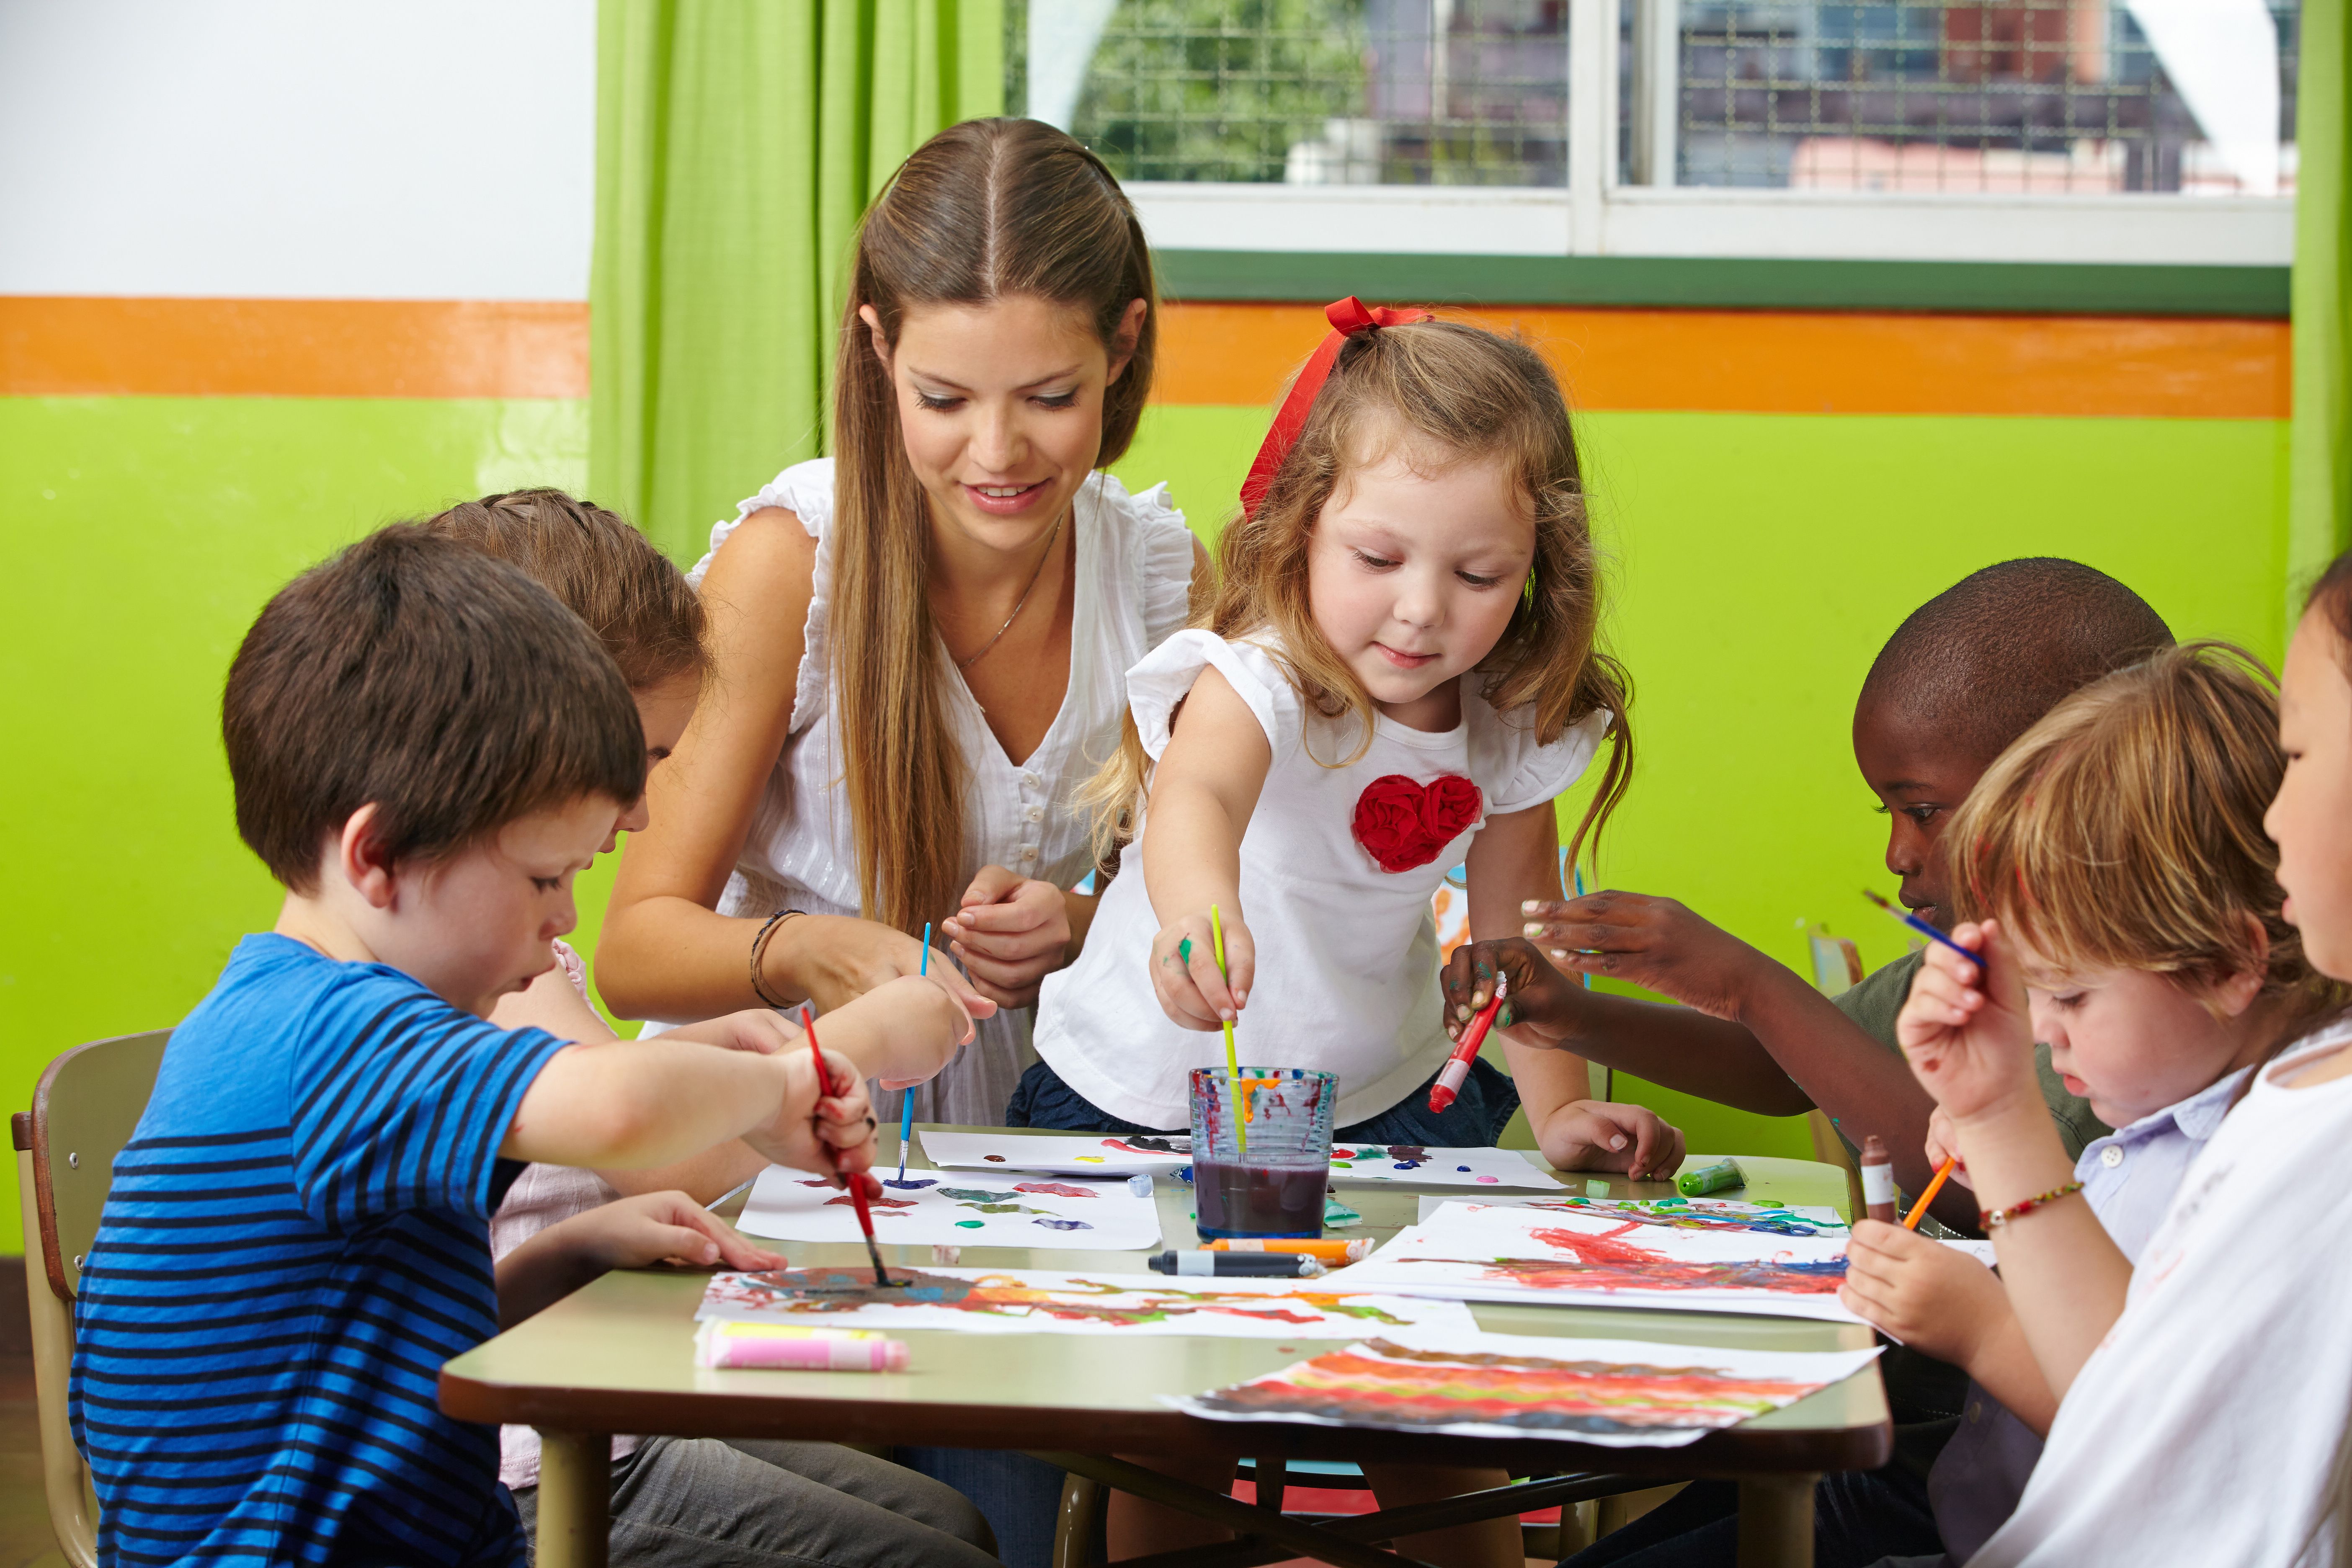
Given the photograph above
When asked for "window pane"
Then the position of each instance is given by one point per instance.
(2058, 97)
(1463, 93)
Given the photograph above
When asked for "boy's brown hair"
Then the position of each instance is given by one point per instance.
(453, 692)
(629, 592)
(2125, 830)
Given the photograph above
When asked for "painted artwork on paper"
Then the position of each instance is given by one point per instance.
(1413, 1165)
(1614, 1393)
(1035, 1301)
(1482, 1252)
(1086, 1155)
(1720, 1215)
(947, 1208)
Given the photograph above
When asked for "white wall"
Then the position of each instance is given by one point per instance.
(359, 149)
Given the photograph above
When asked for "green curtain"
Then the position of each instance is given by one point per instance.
(736, 145)
(2319, 506)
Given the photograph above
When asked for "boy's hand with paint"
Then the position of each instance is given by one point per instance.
(1656, 944)
(1943, 1144)
(628, 1232)
(1547, 1009)
(1940, 1300)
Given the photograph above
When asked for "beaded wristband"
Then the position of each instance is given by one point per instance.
(1993, 1219)
(760, 951)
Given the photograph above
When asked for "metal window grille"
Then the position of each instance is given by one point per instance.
(1331, 91)
(2057, 97)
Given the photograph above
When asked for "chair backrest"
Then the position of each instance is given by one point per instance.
(84, 1110)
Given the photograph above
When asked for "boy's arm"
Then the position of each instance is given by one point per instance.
(1203, 789)
(1661, 946)
(1516, 858)
(633, 1233)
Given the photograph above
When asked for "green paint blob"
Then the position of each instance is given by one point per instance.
(971, 1224)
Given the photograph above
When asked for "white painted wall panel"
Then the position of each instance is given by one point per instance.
(360, 149)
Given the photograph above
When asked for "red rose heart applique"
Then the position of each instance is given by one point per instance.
(1402, 824)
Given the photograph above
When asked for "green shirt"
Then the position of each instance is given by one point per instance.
(1874, 1003)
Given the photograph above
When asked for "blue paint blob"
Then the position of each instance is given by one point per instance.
(1407, 1164)
(1052, 1224)
(914, 1186)
(1460, 1167)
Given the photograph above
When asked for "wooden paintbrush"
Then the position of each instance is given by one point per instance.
(856, 1179)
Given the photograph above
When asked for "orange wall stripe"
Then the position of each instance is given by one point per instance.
(1791, 363)
(62, 346)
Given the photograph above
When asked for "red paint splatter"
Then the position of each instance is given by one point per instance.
(1057, 1189)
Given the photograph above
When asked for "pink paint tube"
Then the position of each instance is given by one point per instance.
(759, 1345)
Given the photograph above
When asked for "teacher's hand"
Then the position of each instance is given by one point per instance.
(835, 958)
(1011, 933)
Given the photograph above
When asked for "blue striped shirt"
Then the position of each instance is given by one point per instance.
(295, 1240)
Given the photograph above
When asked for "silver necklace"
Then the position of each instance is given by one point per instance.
(1047, 554)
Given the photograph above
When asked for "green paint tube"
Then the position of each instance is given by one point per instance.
(1711, 1178)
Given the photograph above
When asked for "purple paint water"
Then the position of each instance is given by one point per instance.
(1233, 1199)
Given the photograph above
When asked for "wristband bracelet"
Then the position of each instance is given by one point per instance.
(1993, 1219)
(760, 952)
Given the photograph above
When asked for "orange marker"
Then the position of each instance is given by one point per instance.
(1328, 1251)
(1919, 1210)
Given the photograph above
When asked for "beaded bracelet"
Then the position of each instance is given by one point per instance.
(1993, 1219)
(760, 951)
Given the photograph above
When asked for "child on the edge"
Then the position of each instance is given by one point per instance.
(1396, 675)
(715, 1500)
(425, 746)
(2205, 1420)
(2121, 843)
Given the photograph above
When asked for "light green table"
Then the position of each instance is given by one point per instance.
(618, 1356)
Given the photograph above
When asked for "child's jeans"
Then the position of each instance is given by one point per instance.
(1475, 1120)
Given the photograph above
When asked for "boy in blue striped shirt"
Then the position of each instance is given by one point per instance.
(425, 747)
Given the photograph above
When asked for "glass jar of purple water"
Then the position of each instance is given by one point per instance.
(1261, 1149)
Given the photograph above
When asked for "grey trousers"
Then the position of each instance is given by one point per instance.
(753, 1503)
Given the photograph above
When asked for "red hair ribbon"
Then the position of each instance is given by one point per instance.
(1348, 317)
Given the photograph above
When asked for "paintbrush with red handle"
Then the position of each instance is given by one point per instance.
(1457, 1067)
(856, 1179)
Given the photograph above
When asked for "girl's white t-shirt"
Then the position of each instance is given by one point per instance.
(1347, 953)
(2204, 1426)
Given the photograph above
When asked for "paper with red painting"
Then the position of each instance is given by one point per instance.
(1037, 1301)
(1479, 1253)
(955, 1208)
(1076, 1154)
(1618, 1393)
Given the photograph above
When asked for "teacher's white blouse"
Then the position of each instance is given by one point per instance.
(1133, 568)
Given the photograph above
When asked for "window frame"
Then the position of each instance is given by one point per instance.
(1597, 214)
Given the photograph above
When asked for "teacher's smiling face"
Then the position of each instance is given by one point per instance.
(1001, 409)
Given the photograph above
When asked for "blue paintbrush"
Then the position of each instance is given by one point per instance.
(906, 1095)
(1922, 928)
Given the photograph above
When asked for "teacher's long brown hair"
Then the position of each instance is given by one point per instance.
(987, 210)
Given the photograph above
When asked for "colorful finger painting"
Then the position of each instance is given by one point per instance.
(942, 1208)
(1612, 1393)
(1684, 1214)
(1410, 1163)
(1071, 1154)
(1003, 1301)
(1554, 1254)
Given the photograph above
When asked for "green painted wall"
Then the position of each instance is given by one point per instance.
(143, 535)
(1761, 561)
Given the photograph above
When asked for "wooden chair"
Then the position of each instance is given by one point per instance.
(84, 1110)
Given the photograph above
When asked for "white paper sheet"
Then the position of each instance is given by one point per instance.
(1357, 1164)
(1482, 1253)
(945, 1208)
(1618, 1393)
(1035, 1301)
(1075, 1154)
(1696, 1215)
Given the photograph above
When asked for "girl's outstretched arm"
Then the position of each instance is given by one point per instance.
(1515, 858)
(1202, 795)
